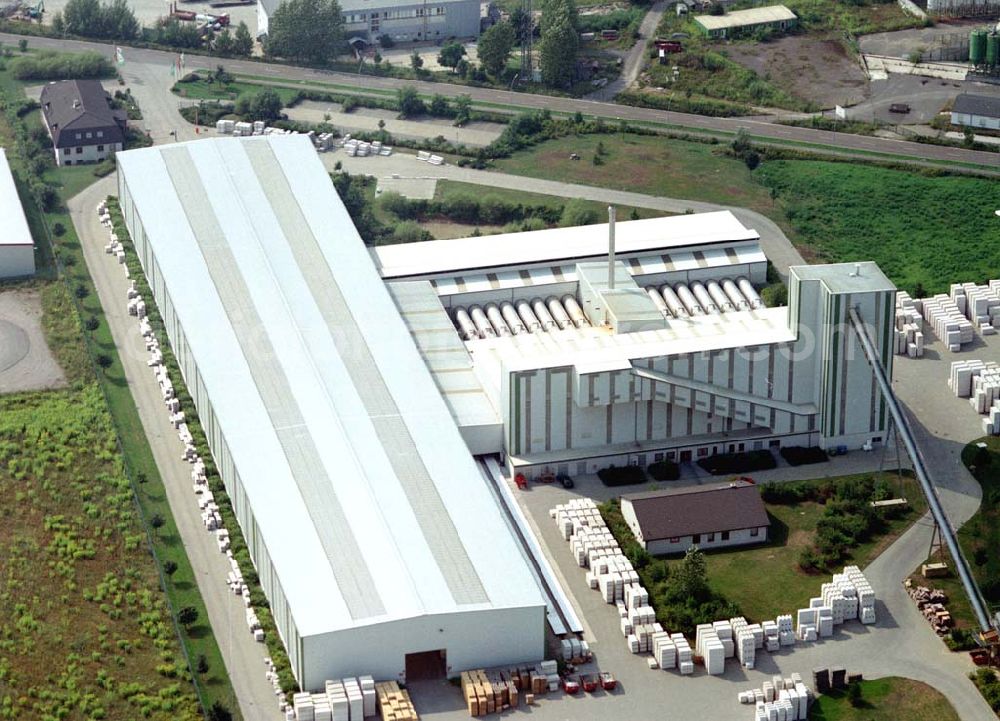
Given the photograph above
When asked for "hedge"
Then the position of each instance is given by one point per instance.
(803, 455)
(664, 471)
(724, 463)
(622, 475)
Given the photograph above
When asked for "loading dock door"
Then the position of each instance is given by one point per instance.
(426, 665)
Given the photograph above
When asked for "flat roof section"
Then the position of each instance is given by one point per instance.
(363, 491)
(456, 255)
(861, 277)
(15, 229)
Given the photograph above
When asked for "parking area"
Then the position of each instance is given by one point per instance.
(26, 363)
(147, 12)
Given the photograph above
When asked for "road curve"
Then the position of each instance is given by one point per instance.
(842, 141)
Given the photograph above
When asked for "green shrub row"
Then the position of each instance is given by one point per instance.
(803, 455)
(48, 65)
(720, 464)
(664, 471)
(622, 475)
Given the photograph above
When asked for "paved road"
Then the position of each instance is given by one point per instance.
(842, 141)
(776, 245)
(635, 58)
(243, 657)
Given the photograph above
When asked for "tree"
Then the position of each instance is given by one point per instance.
(557, 54)
(201, 665)
(265, 105)
(494, 48)
(463, 110)
(520, 20)
(58, 24)
(187, 616)
(555, 10)
(578, 212)
(854, 694)
(223, 44)
(410, 103)
(170, 567)
(22, 45)
(119, 21)
(450, 55)
(242, 41)
(416, 62)
(219, 712)
(92, 323)
(220, 76)
(104, 361)
(439, 106)
(691, 576)
(306, 30)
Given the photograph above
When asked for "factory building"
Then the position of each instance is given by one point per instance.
(669, 354)
(404, 21)
(379, 543)
(976, 111)
(17, 249)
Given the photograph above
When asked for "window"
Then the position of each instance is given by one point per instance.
(79, 136)
(69, 162)
(90, 135)
(100, 133)
(671, 455)
(774, 444)
(709, 538)
(725, 536)
(754, 532)
(675, 539)
(657, 457)
(79, 150)
(702, 452)
(696, 538)
(100, 148)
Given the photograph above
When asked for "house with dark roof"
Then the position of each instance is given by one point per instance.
(83, 125)
(976, 111)
(716, 516)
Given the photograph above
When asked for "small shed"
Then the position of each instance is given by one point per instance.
(976, 111)
(743, 22)
(715, 516)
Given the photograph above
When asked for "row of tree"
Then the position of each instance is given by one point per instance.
(560, 42)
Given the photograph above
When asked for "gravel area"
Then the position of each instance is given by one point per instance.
(26, 363)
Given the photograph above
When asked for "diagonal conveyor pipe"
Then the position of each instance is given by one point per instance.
(933, 502)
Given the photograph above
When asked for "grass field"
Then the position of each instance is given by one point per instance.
(777, 584)
(980, 536)
(886, 699)
(650, 164)
(202, 90)
(928, 230)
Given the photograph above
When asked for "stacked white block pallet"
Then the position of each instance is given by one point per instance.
(908, 335)
(979, 381)
(349, 699)
(864, 590)
(982, 304)
(947, 320)
(747, 638)
(780, 699)
(709, 646)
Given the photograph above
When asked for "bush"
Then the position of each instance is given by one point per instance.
(264, 105)
(786, 494)
(61, 66)
(187, 616)
(621, 476)
(410, 103)
(92, 323)
(726, 463)
(664, 471)
(803, 455)
(58, 230)
(409, 231)
(775, 295)
(578, 212)
(169, 567)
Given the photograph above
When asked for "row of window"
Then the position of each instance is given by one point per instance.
(79, 150)
(710, 537)
(393, 14)
(100, 134)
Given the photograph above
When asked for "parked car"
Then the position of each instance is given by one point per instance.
(571, 684)
(589, 682)
(608, 681)
(565, 480)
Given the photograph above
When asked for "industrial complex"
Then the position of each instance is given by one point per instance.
(356, 406)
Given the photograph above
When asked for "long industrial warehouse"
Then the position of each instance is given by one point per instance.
(378, 542)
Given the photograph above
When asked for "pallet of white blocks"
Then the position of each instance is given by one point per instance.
(709, 646)
(948, 320)
(747, 639)
(981, 304)
(780, 699)
(348, 699)
(908, 334)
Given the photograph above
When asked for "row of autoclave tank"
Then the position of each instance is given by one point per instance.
(679, 301)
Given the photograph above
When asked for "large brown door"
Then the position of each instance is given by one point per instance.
(426, 665)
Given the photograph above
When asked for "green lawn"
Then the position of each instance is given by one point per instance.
(202, 90)
(928, 230)
(886, 699)
(651, 164)
(980, 536)
(766, 580)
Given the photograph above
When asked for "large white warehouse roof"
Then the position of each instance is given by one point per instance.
(368, 501)
(15, 230)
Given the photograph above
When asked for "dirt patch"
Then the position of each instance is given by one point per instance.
(443, 230)
(814, 69)
(26, 363)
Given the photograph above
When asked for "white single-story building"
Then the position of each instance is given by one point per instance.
(729, 514)
(17, 249)
(976, 111)
(777, 18)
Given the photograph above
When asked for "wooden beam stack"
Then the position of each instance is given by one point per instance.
(394, 703)
(489, 692)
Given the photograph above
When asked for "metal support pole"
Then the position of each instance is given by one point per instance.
(611, 247)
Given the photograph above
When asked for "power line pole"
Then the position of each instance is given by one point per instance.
(527, 34)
